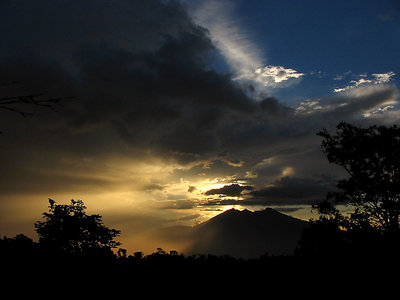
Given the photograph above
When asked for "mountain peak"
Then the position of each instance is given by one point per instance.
(233, 211)
(245, 233)
(271, 211)
(236, 211)
(231, 214)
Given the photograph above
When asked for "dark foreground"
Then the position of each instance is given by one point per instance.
(206, 271)
(31, 269)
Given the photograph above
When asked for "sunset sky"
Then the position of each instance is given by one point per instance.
(183, 109)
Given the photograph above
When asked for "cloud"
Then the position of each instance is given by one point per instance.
(156, 92)
(233, 190)
(309, 106)
(357, 100)
(383, 77)
(291, 190)
(270, 75)
(178, 204)
(377, 79)
(340, 77)
(284, 191)
(241, 51)
(242, 54)
(154, 187)
(388, 112)
(191, 188)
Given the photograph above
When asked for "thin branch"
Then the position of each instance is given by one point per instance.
(12, 103)
(22, 113)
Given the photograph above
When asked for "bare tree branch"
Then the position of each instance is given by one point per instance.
(13, 103)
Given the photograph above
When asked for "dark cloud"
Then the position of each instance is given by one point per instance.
(154, 187)
(142, 75)
(292, 190)
(232, 190)
(191, 188)
(271, 105)
(138, 69)
(222, 202)
(176, 106)
(141, 70)
(178, 204)
(55, 29)
(285, 191)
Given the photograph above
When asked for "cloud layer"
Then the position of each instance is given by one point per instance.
(143, 85)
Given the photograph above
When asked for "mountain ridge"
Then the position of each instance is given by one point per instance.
(247, 234)
(242, 234)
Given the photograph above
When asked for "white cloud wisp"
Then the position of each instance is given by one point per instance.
(243, 56)
(377, 78)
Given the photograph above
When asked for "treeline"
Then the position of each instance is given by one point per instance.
(23, 249)
(21, 255)
(31, 261)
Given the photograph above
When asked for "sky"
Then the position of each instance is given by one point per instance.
(184, 109)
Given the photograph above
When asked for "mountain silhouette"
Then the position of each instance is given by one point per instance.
(242, 234)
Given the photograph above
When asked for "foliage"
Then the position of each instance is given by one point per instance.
(371, 158)
(19, 247)
(67, 228)
(371, 193)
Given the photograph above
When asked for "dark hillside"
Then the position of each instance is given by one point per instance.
(247, 234)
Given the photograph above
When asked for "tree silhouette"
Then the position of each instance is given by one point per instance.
(68, 229)
(371, 192)
(371, 158)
